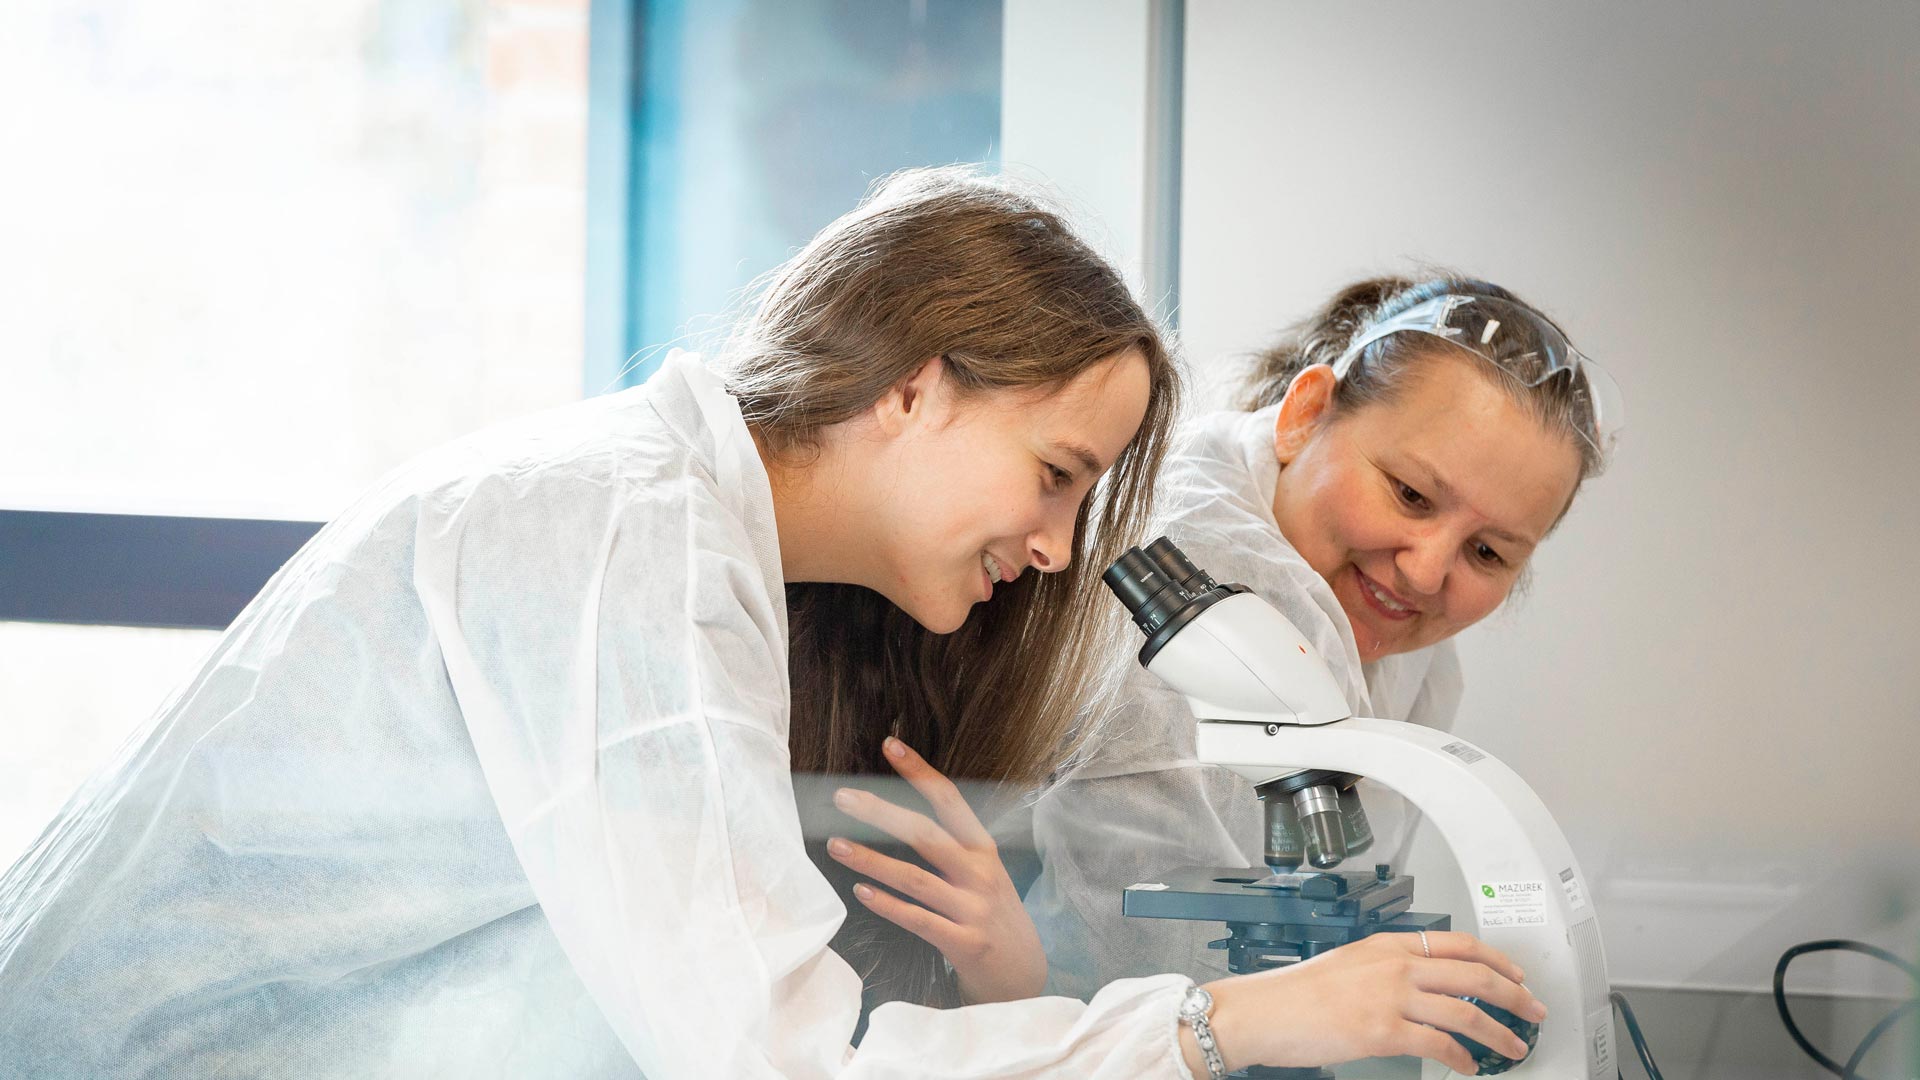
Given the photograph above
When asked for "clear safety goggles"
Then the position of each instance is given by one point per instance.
(1514, 338)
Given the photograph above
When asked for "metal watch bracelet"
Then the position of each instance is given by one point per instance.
(1195, 1012)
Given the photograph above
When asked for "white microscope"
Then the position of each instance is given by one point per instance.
(1267, 707)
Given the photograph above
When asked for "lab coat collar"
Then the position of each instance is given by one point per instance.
(693, 401)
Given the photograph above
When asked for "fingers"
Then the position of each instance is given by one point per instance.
(916, 830)
(1461, 978)
(1453, 945)
(948, 804)
(1432, 1043)
(1453, 1014)
(912, 918)
(1465, 966)
(896, 874)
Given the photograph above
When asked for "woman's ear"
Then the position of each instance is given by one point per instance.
(906, 403)
(1308, 398)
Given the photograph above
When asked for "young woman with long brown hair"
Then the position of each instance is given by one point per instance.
(493, 779)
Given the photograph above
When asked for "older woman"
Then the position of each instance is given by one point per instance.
(1401, 455)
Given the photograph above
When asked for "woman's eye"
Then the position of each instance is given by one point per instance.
(1058, 477)
(1487, 555)
(1410, 496)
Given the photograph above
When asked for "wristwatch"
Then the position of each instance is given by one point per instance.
(1195, 1009)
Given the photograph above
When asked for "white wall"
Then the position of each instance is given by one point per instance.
(1714, 679)
(1089, 106)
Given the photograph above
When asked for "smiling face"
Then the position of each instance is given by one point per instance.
(974, 490)
(1421, 511)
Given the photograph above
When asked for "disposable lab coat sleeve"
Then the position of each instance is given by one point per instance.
(1128, 1032)
(616, 640)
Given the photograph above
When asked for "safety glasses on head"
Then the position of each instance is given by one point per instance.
(1514, 338)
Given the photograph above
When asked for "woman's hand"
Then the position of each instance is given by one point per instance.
(1377, 997)
(969, 910)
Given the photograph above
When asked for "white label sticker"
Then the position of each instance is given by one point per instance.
(1511, 903)
(1147, 886)
(1570, 882)
(1467, 754)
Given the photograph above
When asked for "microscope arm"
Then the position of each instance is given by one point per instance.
(1505, 842)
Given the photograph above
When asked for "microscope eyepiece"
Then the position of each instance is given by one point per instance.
(1177, 567)
(1163, 590)
(1136, 580)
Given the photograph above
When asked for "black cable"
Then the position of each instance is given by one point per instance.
(1885, 1025)
(1848, 1071)
(1633, 1032)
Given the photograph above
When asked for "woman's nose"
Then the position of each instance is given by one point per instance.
(1424, 562)
(1050, 547)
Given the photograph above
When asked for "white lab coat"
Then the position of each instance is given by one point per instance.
(491, 780)
(1138, 805)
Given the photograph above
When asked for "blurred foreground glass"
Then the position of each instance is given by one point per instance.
(251, 257)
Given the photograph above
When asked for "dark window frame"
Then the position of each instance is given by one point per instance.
(138, 569)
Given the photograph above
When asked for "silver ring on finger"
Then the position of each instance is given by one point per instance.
(1424, 947)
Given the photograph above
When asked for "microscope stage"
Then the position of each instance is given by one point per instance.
(1343, 902)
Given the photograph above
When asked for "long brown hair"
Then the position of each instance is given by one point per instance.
(985, 273)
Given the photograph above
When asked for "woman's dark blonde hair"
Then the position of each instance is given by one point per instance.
(1389, 364)
(979, 271)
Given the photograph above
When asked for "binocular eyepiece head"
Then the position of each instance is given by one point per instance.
(1156, 582)
(1163, 590)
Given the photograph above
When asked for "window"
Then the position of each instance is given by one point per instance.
(254, 257)
(257, 256)
(760, 121)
